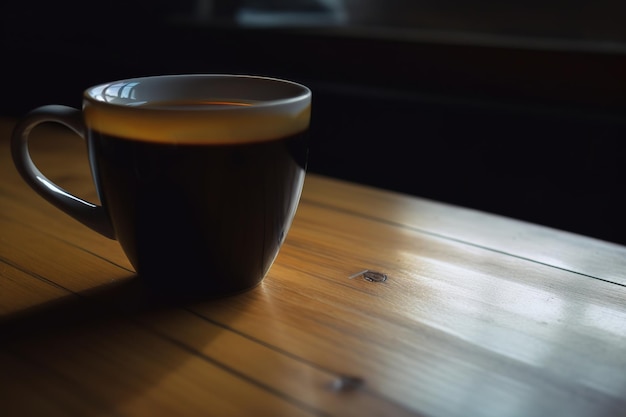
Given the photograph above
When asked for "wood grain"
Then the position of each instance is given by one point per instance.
(479, 315)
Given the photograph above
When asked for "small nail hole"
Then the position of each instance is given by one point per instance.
(346, 383)
(370, 276)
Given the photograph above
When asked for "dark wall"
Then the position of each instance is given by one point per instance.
(533, 133)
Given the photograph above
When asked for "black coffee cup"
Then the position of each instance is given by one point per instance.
(198, 176)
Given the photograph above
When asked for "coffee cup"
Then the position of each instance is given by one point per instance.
(198, 176)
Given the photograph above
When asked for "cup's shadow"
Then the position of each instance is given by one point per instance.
(120, 300)
(37, 334)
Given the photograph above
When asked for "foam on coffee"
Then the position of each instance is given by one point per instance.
(216, 110)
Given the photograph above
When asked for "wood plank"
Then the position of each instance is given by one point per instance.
(42, 218)
(28, 390)
(63, 263)
(21, 291)
(125, 370)
(37, 268)
(316, 387)
(576, 253)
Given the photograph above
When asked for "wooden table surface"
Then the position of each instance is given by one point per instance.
(480, 315)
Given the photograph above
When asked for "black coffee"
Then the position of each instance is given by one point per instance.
(196, 216)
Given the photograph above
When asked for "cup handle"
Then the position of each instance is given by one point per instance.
(91, 215)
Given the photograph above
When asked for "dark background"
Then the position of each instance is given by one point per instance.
(515, 109)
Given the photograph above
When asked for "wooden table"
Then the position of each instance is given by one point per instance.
(480, 315)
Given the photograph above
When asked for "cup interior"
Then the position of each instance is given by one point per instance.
(155, 90)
